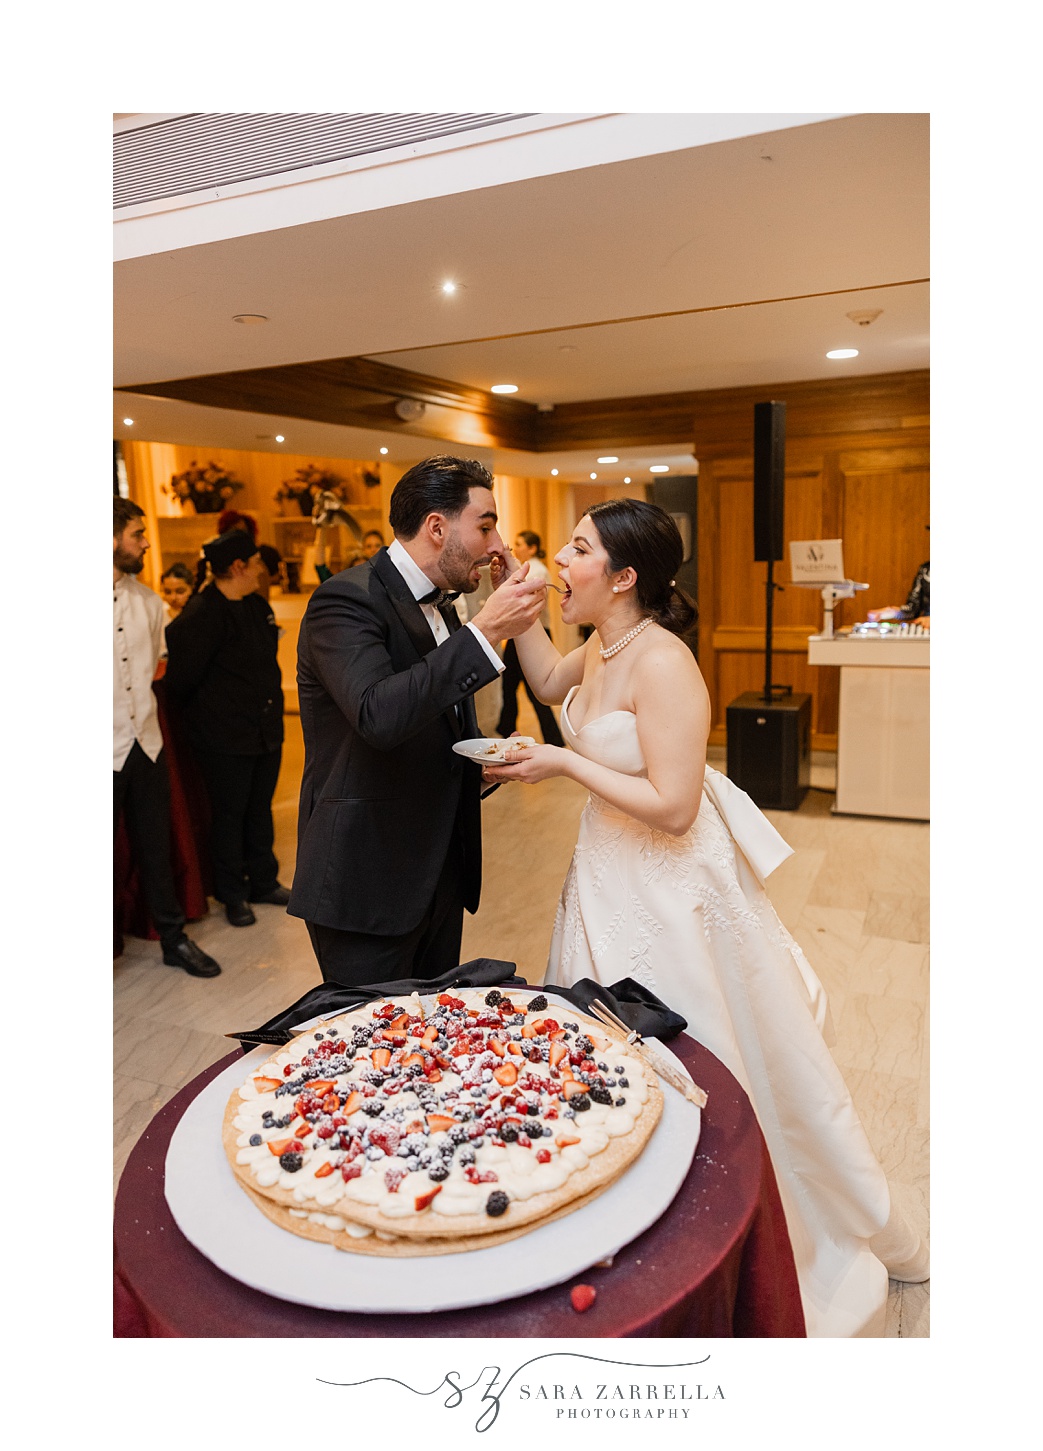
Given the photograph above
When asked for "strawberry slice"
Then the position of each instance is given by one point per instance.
(381, 1057)
(267, 1085)
(564, 1140)
(430, 1034)
(516, 1049)
(506, 1074)
(582, 1297)
(434, 1075)
(278, 1147)
(528, 1031)
(423, 1200)
(352, 1102)
(324, 1170)
(397, 1023)
(573, 1088)
(558, 1051)
(498, 1047)
(439, 1123)
(413, 1058)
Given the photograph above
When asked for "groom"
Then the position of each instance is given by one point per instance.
(389, 831)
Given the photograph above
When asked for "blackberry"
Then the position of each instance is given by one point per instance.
(584, 1044)
(458, 1134)
(509, 1133)
(532, 1108)
(291, 1162)
(573, 1026)
(494, 997)
(373, 1106)
(466, 1156)
(497, 1203)
(580, 1103)
(538, 1004)
(620, 1101)
(518, 1018)
(600, 1095)
(255, 1139)
(438, 1172)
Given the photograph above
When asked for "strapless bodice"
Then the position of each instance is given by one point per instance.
(609, 739)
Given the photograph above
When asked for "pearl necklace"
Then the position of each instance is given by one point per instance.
(625, 639)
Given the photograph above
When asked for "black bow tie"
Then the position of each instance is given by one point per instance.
(439, 597)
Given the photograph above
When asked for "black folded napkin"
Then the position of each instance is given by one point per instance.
(640, 1009)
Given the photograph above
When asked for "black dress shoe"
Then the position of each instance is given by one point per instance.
(239, 914)
(277, 897)
(192, 958)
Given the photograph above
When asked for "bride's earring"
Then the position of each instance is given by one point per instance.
(615, 589)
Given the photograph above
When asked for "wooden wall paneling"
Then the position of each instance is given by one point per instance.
(886, 511)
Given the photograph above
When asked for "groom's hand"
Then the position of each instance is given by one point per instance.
(513, 608)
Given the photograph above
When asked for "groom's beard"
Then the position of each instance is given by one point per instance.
(456, 566)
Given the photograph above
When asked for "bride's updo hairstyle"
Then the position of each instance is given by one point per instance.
(644, 537)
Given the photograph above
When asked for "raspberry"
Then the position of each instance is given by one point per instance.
(393, 1178)
(543, 1156)
(582, 1297)
(350, 1171)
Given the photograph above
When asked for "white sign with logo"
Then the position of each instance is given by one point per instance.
(816, 561)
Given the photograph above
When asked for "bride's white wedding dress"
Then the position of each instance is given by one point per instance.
(689, 918)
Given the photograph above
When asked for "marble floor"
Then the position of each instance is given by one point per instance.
(854, 894)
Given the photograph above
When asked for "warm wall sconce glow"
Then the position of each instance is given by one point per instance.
(626, 480)
(128, 422)
(280, 438)
(448, 287)
(383, 450)
(554, 473)
(843, 353)
(609, 458)
(659, 468)
(504, 388)
(593, 476)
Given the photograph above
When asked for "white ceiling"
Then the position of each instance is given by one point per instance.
(568, 277)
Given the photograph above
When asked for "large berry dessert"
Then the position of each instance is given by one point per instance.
(432, 1125)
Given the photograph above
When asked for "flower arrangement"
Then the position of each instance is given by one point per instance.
(206, 489)
(306, 485)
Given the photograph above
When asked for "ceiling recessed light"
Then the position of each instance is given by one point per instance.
(554, 473)
(448, 287)
(128, 421)
(250, 319)
(659, 468)
(626, 480)
(609, 458)
(280, 438)
(843, 353)
(593, 476)
(383, 450)
(504, 388)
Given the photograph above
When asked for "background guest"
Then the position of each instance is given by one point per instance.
(271, 570)
(176, 585)
(232, 519)
(223, 671)
(140, 786)
(372, 540)
(527, 547)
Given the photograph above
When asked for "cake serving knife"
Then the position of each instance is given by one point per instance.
(658, 1064)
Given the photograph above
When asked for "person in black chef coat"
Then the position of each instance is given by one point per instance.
(223, 672)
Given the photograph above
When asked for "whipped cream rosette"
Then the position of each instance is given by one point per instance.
(430, 1125)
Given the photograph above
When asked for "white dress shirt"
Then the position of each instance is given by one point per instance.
(420, 585)
(137, 643)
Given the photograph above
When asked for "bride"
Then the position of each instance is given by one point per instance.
(667, 886)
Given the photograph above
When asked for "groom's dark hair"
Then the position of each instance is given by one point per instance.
(438, 485)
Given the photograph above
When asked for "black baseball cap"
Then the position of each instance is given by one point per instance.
(224, 549)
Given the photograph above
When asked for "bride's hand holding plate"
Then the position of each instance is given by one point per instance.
(528, 764)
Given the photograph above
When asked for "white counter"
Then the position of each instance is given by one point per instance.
(883, 733)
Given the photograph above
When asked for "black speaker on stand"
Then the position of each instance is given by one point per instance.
(769, 731)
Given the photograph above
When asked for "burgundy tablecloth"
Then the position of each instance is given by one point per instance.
(717, 1263)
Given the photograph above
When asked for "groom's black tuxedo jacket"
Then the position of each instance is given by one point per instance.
(382, 785)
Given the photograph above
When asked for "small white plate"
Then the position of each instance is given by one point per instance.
(490, 748)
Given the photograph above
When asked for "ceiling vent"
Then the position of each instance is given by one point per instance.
(204, 150)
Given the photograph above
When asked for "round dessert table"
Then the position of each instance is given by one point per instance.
(718, 1262)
